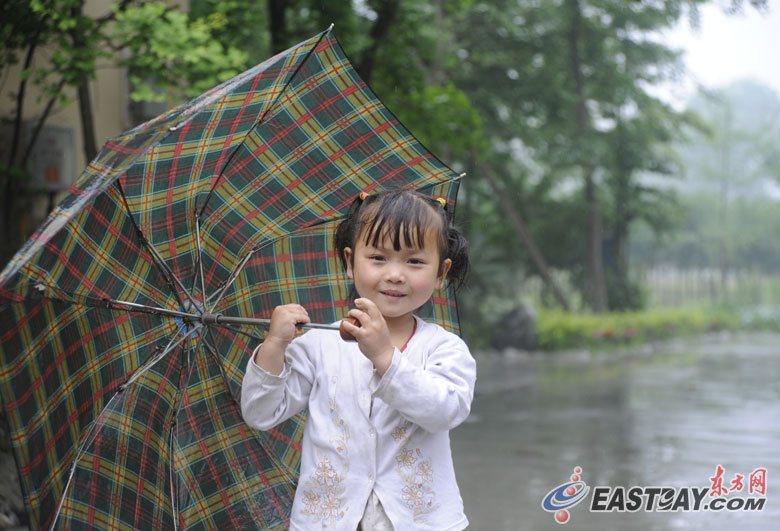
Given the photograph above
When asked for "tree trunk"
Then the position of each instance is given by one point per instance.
(621, 297)
(84, 99)
(624, 211)
(598, 287)
(278, 25)
(723, 203)
(388, 9)
(87, 120)
(620, 232)
(595, 265)
(9, 190)
(525, 237)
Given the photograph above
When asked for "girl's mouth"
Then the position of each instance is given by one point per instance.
(393, 294)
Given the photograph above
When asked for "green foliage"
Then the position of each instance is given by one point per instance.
(168, 49)
(560, 331)
(442, 117)
(236, 24)
(164, 49)
(624, 293)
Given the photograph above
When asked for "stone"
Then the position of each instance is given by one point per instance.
(517, 330)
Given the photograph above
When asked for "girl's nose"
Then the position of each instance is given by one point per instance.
(394, 273)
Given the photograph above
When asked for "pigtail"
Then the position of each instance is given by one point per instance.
(457, 247)
(345, 232)
(458, 252)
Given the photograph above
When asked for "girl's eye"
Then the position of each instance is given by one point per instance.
(376, 257)
(416, 261)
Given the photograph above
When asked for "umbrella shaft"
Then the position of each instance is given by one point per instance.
(216, 318)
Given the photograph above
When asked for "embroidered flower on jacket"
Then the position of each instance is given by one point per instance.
(413, 496)
(399, 433)
(425, 471)
(417, 476)
(406, 458)
(323, 495)
(326, 474)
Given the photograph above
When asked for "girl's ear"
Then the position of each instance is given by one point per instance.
(444, 269)
(348, 261)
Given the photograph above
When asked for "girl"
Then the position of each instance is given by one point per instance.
(376, 451)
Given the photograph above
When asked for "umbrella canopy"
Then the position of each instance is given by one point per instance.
(120, 387)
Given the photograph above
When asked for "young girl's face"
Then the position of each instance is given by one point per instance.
(398, 282)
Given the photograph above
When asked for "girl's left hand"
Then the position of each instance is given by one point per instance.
(372, 335)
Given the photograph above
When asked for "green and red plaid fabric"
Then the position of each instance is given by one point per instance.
(123, 412)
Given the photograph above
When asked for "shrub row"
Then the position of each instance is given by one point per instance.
(560, 330)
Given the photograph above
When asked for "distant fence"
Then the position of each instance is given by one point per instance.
(669, 286)
(663, 287)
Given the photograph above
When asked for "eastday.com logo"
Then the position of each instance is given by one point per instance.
(716, 497)
(563, 497)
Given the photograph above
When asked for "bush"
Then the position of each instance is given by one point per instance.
(559, 330)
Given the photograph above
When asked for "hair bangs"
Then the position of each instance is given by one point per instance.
(402, 227)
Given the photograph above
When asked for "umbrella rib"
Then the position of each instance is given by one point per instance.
(213, 318)
(237, 270)
(157, 259)
(445, 181)
(161, 263)
(261, 118)
(240, 330)
(231, 279)
(152, 361)
(80, 451)
(172, 471)
(221, 366)
(175, 426)
(113, 303)
(200, 259)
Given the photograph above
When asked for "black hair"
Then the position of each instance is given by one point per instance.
(403, 216)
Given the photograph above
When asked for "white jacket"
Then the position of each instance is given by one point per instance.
(364, 432)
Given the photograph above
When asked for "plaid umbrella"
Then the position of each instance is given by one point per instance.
(118, 378)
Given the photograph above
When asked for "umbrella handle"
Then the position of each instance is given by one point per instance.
(346, 336)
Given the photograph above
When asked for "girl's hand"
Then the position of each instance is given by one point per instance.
(372, 335)
(270, 355)
(284, 323)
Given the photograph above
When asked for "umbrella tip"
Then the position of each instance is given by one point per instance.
(330, 28)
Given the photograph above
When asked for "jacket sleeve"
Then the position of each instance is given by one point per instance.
(268, 399)
(437, 396)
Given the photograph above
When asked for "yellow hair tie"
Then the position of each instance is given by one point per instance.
(442, 202)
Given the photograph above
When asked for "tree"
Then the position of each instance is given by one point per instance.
(556, 81)
(730, 162)
(167, 54)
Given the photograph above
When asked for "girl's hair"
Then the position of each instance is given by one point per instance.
(403, 216)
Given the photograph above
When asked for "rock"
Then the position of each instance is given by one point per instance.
(517, 330)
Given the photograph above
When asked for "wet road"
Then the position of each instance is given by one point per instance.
(664, 417)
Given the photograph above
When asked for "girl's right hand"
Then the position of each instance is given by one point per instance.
(284, 321)
(270, 355)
